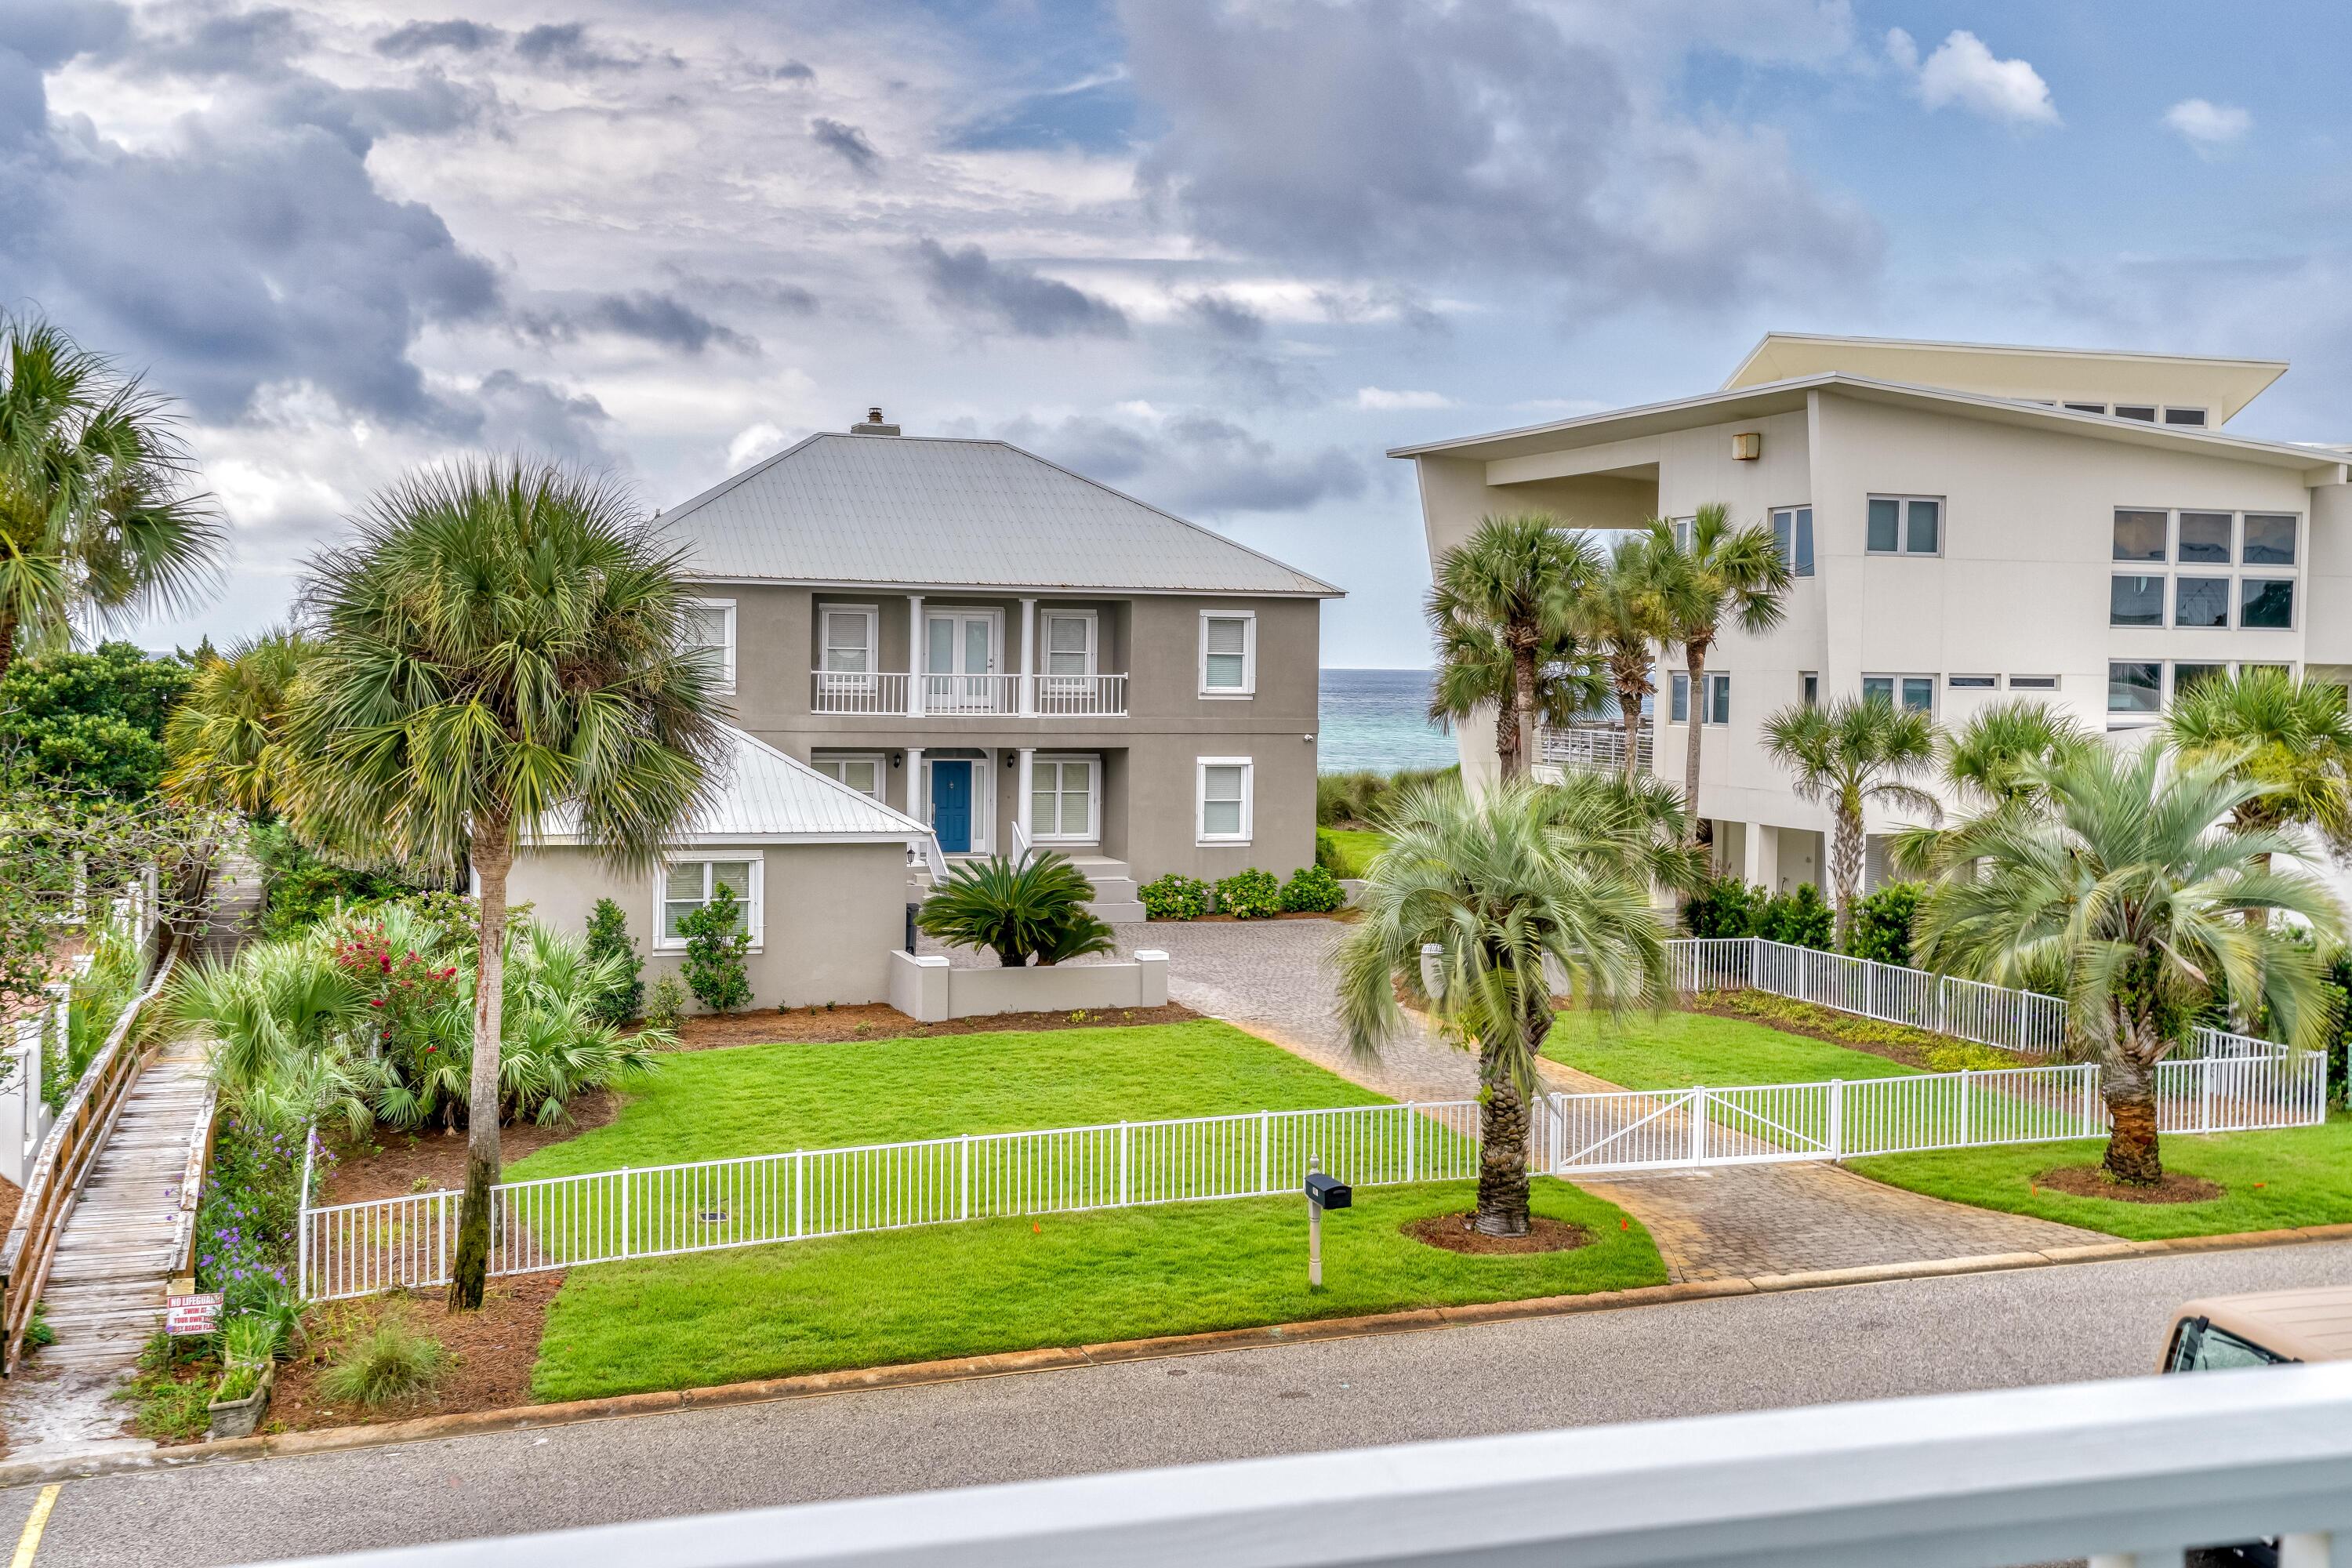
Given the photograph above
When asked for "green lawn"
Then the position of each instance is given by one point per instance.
(1357, 847)
(760, 1100)
(2305, 1174)
(1678, 1050)
(1001, 1285)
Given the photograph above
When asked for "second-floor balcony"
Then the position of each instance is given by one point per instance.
(896, 693)
(1592, 748)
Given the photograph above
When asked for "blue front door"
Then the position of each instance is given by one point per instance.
(951, 807)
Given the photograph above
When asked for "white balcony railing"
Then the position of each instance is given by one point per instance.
(895, 693)
(1592, 747)
(2127, 1471)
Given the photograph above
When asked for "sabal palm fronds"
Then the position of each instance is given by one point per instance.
(2291, 736)
(2127, 878)
(227, 739)
(502, 647)
(1721, 574)
(1510, 896)
(1621, 613)
(99, 509)
(1476, 669)
(1856, 752)
(1504, 594)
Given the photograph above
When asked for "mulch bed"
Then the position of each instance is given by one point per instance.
(397, 1163)
(880, 1021)
(11, 1194)
(1456, 1233)
(489, 1354)
(2093, 1182)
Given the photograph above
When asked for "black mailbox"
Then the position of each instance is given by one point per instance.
(1328, 1192)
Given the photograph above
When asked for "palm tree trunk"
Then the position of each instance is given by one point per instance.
(1506, 740)
(1502, 1157)
(1694, 657)
(1523, 689)
(1629, 714)
(8, 641)
(2127, 1083)
(470, 1270)
(1845, 870)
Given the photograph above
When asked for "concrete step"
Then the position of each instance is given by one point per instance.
(1127, 912)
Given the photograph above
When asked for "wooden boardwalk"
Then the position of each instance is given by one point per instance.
(126, 1238)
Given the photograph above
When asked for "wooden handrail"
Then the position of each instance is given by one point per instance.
(61, 1167)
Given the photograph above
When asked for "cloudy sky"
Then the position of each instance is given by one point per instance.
(1220, 254)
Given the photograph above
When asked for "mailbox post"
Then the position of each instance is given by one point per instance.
(1322, 1193)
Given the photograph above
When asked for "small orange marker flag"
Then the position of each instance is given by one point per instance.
(1037, 1228)
(1624, 1225)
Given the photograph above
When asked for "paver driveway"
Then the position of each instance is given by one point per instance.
(1276, 979)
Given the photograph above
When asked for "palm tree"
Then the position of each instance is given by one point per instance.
(1855, 752)
(1621, 614)
(1998, 759)
(1512, 580)
(2292, 737)
(1722, 574)
(2127, 881)
(503, 647)
(1504, 883)
(97, 508)
(1476, 671)
(1038, 906)
(227, 738)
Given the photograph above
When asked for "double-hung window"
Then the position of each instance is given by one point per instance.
(1224, 809)
(1677, 699)
(710, 626)
(848, 636)
(1793, 533)
(1062, 799)
(1228, 653)
(1916, 692)
(1905, 525)
(1719, 699)
(862, 773)
(1066, 676)
(687, 885)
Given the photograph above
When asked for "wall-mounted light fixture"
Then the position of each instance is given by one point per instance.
(1747, 446)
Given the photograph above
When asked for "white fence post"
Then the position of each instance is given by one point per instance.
(2205, 1094)
(1122, 1164)
(1410, 1116)
(624, 1211)
(1837, 1118)
(1968, 1130)
(800, 1158)
(1265, 1150)
(1698, 1126)
(963, 1199)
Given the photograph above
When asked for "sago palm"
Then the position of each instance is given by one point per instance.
(1036, 907)
(1997, 759)
(1476, 671)
(502, 647)
(1856, 752)
(99, 509)
(2127, 878)
(2292, 737)
(1620, 614)
(227, 738)
(1721, 574)
(1503, 884)
(1512, 581)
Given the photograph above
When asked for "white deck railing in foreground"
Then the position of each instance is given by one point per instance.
(2127, 1472)
(354, 1249)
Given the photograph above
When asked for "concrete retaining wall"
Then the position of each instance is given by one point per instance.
(931, 990)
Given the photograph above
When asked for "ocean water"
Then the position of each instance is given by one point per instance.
(1377, 719)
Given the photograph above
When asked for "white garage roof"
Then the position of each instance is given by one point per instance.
(767, 797)
(932, 511)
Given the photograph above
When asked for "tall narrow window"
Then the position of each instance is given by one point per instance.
(1793, 533)
(1224, 800)
(710, 626)
(1919, 693)
(1719, 699)
(1809, 685)
(1885, 525)
(1678, 698)
(1228, 654)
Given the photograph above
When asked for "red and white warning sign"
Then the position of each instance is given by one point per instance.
(191, 1314)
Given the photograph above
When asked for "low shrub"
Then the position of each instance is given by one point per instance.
(1312, 889)
(608, 938)
(1723, 907)
(1175, 898)
(248, 1216)
(1881, 924)
(1799, 917)
(391, 1361)
(667, 1005)
(1329, 855)
(300, 887)
(1251, 895)
(716, 941)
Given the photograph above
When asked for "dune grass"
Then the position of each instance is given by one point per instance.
(1064, 1279)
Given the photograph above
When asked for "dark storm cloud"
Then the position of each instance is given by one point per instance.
(1379, 136)
(1226, 319)
(460, 36)
(564, 46)
(1015, 297)
(846, 140)
(652, 317)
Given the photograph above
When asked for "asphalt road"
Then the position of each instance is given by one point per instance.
(1926, 1336)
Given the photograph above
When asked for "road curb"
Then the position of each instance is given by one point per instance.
(528, 1417)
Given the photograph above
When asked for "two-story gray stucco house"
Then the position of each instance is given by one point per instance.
(1011, 654)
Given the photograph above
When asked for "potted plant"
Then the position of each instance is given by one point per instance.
(248, 1372)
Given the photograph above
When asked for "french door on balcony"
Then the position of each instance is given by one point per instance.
(960, 663)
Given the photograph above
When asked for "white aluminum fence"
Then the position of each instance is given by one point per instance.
(352, 1249)
(1969, 1009)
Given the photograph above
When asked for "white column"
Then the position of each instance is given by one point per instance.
(915, 785)
(914, 660)
(1028, 685)
(1762, 868)
(1021, 806)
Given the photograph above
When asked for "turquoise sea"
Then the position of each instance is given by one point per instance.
(1377, 719)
